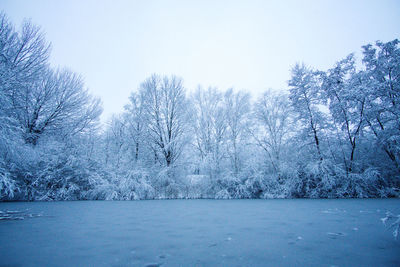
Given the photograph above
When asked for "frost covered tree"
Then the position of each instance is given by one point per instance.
(115, 141)
(165, 116)
(345, 89)
(274, 124)
(39, 103)
(135, 119)
(37, 98)
(23, 55)
(209, 128)
(382, 80)
(56, 103)
(23, 58)
(237, 108)
(304, 96)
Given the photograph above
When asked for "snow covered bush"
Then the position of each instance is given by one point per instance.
(363, 185)
(223, 194)
(168, 184)
(103, 188)
(132, 185)
(136, 185)
(197, 186)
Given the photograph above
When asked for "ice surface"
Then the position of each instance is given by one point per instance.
(286, 232)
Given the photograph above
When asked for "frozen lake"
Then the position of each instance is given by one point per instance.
(296, 232)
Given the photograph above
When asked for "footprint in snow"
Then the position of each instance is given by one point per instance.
(164, 256)
(365, 211)
(335, 235)
(294, 242)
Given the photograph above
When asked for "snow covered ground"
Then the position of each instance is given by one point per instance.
(296, 232)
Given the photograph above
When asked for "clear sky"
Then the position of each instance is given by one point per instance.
(245, 44)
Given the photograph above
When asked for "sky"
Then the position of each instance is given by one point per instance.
(249, 45)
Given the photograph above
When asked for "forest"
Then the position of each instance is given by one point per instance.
(330, 134)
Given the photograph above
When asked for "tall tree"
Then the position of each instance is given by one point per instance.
(210, 127)
(382, 63)
(115, 141)
(23, 55)
(237, 108)
(165, 113)
(273, 116)
(56, 103)
(344, 89)
(23, 59)
(135, 119)
(304, 96)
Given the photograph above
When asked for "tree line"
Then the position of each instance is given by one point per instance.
(332, 134)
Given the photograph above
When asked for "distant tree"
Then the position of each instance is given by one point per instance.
(165, 115)
(135, 120)
(115, 141)
(274, 117)
(237, 108)
(210, 127)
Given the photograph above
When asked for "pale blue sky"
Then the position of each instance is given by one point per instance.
(247, 45)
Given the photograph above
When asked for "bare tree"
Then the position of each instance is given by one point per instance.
(273, 115)
(165, 113)
(304, 97)
(115, 141)
(35, 97)
(382, 62)
(23, 57)
(343, 86)
(134, 117)
(210, 127)
(55, 103)
(237, 108)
